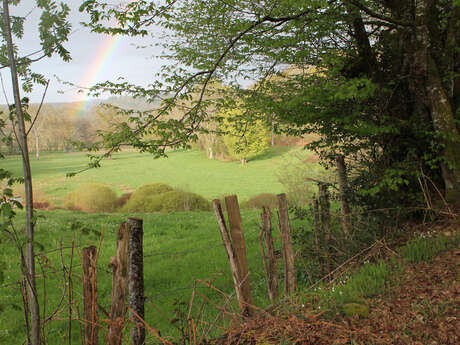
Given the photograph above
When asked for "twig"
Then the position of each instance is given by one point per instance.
(69, 278)
(39, 108)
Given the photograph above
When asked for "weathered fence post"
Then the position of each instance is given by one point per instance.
(317, 229)
(136, 281)
(231, 256)
(325, 222)
(268, 254)
(343, 188)
(316, 226)
(90, 295)
(236, 231)
(119, 265)
(290, 280)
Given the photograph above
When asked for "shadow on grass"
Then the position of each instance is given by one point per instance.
(272, 152)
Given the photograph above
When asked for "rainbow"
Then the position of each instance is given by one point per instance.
(103, 55)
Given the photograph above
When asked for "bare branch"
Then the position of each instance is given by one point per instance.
(39, 108)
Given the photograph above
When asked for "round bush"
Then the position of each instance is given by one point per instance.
(141, 199)
(92, 198)
(168, 201)
(264, 199)
(183, 201)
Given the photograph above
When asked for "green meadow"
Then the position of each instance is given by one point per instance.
(187, 170)
(179, 247)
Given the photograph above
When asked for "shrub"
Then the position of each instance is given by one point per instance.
(159, 197)
(183, 201)
(298, 175)
(142, 199)
(92, 198)
(264, 199)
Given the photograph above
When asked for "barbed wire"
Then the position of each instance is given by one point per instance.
(215, 244)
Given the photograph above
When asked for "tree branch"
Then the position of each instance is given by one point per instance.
(374, 14)
(39, 108)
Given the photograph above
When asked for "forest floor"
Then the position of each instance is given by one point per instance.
(423, 308)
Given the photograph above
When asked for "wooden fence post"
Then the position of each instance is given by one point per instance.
(236, 231)
(136, 281)
(317, 229)
(325, 222)
(268, 254)
(290, 281)
(90, 295)
(119, 265)
(343, 188)
(231, 256)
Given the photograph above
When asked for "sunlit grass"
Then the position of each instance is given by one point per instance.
(188, 170)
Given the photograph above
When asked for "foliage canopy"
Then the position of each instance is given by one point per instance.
(385, 92)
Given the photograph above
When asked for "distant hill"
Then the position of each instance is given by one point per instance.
(85, 107)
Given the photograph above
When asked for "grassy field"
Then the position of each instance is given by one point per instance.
(188, 170)
(178, 248)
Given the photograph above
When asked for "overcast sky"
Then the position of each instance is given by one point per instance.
(86, 48)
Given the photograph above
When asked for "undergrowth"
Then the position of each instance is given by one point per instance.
(348, 294)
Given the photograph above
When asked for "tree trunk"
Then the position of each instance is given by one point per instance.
(37, 147)
(272, 141)
(33, 298)
(444, 123)
(343, 188)
(325, 207)
(317, 229)
(437, 101)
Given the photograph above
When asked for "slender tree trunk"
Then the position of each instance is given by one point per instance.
(325, 222)
(37, 146)
(343, 188)
(33, 299)
(272, 141)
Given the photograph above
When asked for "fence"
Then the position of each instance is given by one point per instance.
(128, 278)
